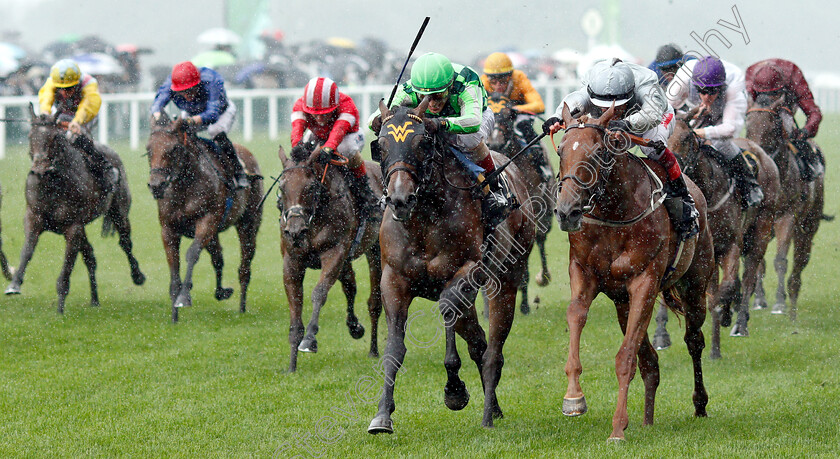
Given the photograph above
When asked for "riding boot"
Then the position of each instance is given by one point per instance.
(750, 190)
(364, 199)
(105, 174)
(680, 207)
(495, 206)
(240, 179)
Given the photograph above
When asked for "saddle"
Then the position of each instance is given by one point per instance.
(810, 160)
(750, 158)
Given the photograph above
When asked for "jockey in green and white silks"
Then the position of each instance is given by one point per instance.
(458, 111)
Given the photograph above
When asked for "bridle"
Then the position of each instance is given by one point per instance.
(299, 211)
(602, 172)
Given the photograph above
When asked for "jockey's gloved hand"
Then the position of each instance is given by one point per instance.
(325, 155)
(376, 124)
(799, 134)
(619, 125)
(657, 145)
(433, 125)
(546, 127)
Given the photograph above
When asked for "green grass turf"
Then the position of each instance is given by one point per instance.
(121, 380)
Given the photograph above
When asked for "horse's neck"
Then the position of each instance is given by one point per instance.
(72, 166)
(627, 177)
(704, 174)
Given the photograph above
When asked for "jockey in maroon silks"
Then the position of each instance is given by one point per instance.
(782, 78)
(327, 116)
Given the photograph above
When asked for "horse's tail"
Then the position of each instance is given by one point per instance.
(108, 228)
(673, 300)
(827, 218)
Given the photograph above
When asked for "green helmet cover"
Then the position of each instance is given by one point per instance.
(431, 73)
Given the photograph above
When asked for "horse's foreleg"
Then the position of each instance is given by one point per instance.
(523, 287)
(760, 296)
(643, 290)
(694, 300)
(584, 290)
(247, 232)
(32, 227)
(205, 231)
(123, 227)
(72, 237)
(784, 234)
(348, 286)
(729, 292)
(502, 307)
(172, 247)
(760, 235)
(332, 262)
(396, 299)
(4, 263)
(90, 263)
(375, 299)
(214, 248)
(802, 240)
(293, 275)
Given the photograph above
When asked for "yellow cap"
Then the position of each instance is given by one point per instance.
(497, 64)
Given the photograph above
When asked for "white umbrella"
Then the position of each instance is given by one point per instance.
(98, 64)
(219, 36)
(8, 65)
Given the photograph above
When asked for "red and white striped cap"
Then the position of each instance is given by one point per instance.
(320, 96)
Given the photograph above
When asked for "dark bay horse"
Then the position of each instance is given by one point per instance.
(799, 208)
(504, 140)
(434, 246)
(736, 233)
(624, 245)
(320, 230)
(62, 196)
(4, 264)
(193, 200)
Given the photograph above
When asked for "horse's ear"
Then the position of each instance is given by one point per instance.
(281, 153)
(421, 109)
(567, 115)
(383, 109)
(31, 111)
(607, 116)
(314, 155)
(778, 103)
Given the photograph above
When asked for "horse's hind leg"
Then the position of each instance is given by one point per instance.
(247, 232)
(73, 236)
(4, 263)
(32, 227)
(123, 227)
(694, 300)
(348, 286)
(214, 248)
(375, 299)
(661, 338)
(90, 263)
(544, 275)
(760, 301)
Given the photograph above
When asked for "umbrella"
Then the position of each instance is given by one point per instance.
(13, 51)
(341, 42)
(98, 64)
(219, 36)
(8, 65)
(213, 59)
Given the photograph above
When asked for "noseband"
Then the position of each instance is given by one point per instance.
(299, 211)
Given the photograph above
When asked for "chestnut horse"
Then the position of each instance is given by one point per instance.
(62, 196)
(799, 208)
(194, 201)
(623, 244)
(320, 230)
(503, 139)
(4, 264)
(735, 232)
(434, 246)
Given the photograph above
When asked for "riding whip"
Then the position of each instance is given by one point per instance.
(498, 170)
(405, 64)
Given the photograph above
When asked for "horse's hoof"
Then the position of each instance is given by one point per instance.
(13, 290)
(661, 342)
(356, 329)
(183, 302)
(725, 316)
(456, 398)
(574, 406)
(759, 303)
(223, 293)
(778, 308)
(616, 440)
(308, 345)
(94, 304)
(714, 354)
(138, 278)
(525, 309)
(381, 424)
(739, 331)
(543, 279)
